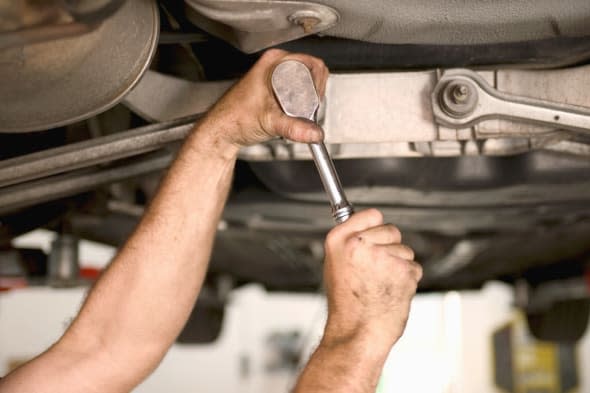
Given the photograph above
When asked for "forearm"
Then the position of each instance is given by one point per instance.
(142, 301)
(343, 365)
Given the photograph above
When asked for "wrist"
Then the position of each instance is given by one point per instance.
(211, 137)
(369, 344)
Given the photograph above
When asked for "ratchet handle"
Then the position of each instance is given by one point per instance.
(295, 92)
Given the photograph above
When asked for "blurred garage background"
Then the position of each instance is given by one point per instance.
(455, 342)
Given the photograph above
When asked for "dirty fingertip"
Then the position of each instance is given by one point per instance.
(316, 134)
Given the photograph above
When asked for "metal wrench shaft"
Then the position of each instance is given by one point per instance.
(341, 208)
(295, 91)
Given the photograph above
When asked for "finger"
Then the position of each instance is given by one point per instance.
(298, 130)
(272, 55)
(318, 69)
(400, 251)
(418, 271)
(413, 268)
(361, 221)
(320, 74)
(383, 234)
(325, 78)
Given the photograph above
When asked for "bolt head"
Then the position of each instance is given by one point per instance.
(458, 98)
(460, 94)
(308, 20)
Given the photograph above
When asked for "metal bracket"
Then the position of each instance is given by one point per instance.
(255, 25)
(462, 98)
(391, 114)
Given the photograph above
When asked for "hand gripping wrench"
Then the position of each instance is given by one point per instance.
(295, 91)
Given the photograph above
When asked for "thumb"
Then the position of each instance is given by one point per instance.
(298, 130)
(362, 221)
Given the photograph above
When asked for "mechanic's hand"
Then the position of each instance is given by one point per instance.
(249, 113)
(370, 280)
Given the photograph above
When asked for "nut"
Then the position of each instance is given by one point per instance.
(458, 98)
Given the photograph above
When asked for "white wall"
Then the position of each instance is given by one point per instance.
(32, 319)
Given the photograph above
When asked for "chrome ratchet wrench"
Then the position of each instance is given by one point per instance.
(295, 91)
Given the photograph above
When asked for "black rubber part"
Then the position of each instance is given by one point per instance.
(565, 321)
(221, 61)
(204, 324)
(351, 55)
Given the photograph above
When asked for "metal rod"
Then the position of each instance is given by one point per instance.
(64, 185)
(341, 208)
(94, 151)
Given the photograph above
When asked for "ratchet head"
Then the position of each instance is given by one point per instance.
(294, 89)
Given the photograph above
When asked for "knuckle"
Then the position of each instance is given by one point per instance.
(412, 271)
(291, 130)
(403, 265)
(401, 252)
(395, 233)
(272, 121)
(320, 63)
(409, 252)
(300, 130)
(419, 272)
(354, 241)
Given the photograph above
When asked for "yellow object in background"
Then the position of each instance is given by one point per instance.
(526, 365)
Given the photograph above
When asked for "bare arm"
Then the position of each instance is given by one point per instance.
(370, 280)
(139, 305)
(343, 365)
